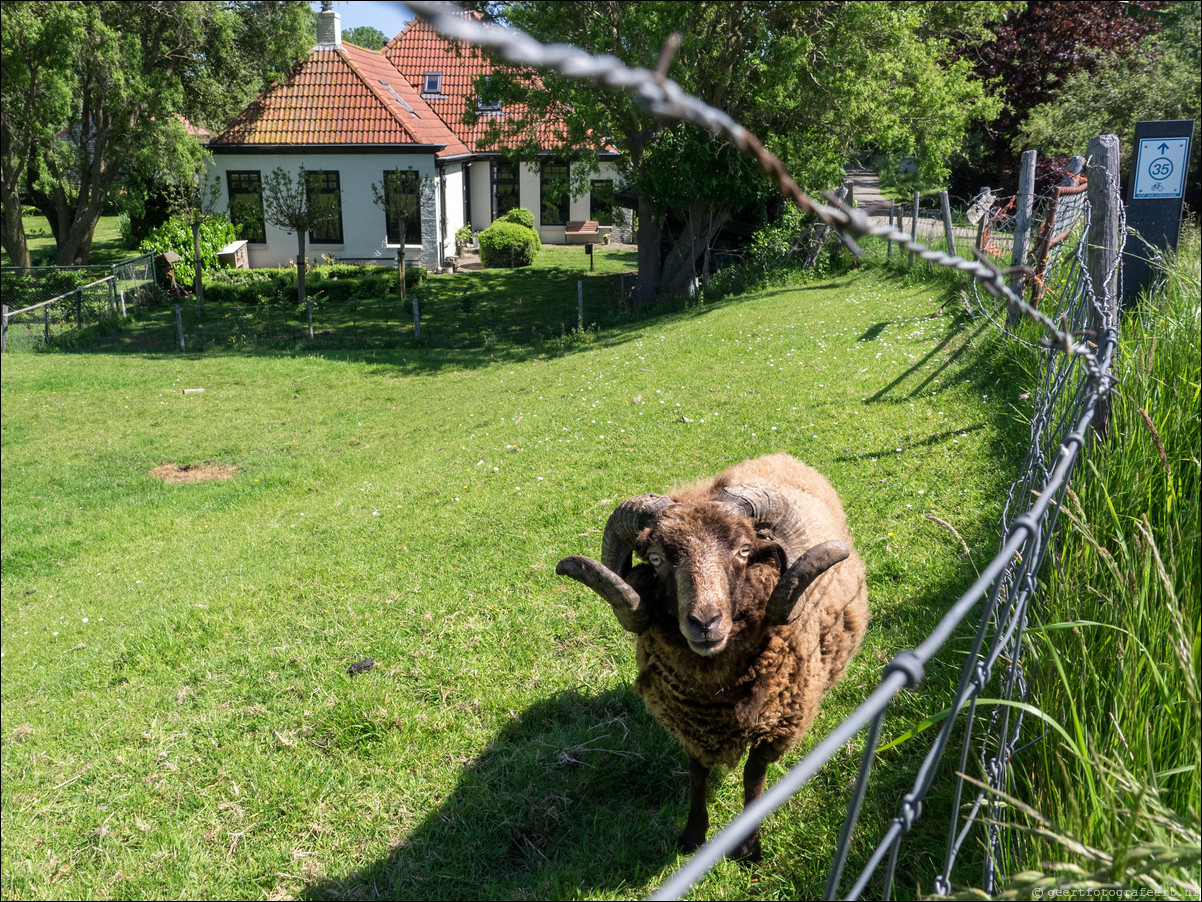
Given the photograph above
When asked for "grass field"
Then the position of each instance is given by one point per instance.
(179, 720)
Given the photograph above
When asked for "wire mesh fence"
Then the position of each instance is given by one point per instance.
(48, 306)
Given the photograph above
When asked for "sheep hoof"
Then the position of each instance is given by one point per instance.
(690, 840)
(749, 851)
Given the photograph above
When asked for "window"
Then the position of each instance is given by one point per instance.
(432, 83)
(601, 202)
(487, 106)
(553, 185)
(402, 201)
(506, 194)
(325, 203)
(245, 191)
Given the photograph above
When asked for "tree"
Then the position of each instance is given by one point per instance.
(295, 205)
(1034, 52)
(35, 97)
(814, 80)
(194, 199)
(400, 197)
(107, 82)
(366, 36)
(1160, 81)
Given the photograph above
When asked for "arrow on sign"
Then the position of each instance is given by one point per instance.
(1163, 148)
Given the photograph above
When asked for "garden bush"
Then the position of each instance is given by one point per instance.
(521, 216)
(508, 244)
(176, 235)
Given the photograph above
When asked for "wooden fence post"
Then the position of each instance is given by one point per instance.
(914, 225)
(1025, 205)
(179, 327)
(79, 308)
(1102, 250)
(947, 223)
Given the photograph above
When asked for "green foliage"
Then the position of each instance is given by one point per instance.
(1118, 646)
(1158, 82)
(176, 235)
(102, 87)
(520, 215)
(508, 244)
(463, 234)
(366, 36)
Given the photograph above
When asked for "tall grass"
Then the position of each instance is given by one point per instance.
(1118, 649)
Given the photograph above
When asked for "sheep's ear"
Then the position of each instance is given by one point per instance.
(768, 551)
(628, 607)
(785, 604)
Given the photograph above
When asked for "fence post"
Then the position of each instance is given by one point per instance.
(3, 328)
(79, 308)
(580, 305)
(1025, 203)
(892, 207)
(46, 323)
(914, 225)
(179, 327)
(947, 223)
(1102, 251)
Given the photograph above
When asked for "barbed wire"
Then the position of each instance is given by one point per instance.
(664, 99)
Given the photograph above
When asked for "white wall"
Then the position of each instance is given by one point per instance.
(363, 228)
(454, 211)
(480, 174)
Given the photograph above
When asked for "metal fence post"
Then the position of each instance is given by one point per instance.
(179, 327)
(3, 328)
(914, 225)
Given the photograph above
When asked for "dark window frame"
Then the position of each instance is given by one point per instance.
(606, 211)
(408, 182)
(325, 184)
(505, 187)
(246, 215)
(553, 179)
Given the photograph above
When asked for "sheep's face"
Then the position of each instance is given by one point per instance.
(716, 574)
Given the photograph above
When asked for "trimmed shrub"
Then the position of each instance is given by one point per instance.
(508, 244)
(521, 216)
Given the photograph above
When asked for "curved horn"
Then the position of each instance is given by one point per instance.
(784, 606)
(629, 518)
(771, 512)
(627, 605)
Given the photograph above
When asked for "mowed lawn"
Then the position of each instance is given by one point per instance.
(179, 720)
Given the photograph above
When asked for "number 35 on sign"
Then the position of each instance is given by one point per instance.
(1160, 167)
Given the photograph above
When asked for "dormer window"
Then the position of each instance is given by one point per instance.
(432, 83)
(488, 106)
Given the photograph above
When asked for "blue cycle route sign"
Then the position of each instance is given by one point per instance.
(1160, 167)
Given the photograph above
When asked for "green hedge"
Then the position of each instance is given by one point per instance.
(521, 216)
(508, 244)
(337, 283)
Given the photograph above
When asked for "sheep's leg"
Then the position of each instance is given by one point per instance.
(754, 772)
(699, 819)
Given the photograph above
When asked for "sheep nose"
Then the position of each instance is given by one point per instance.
(706, 621)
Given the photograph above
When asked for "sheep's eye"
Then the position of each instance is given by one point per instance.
(655, 560)
(745, 551)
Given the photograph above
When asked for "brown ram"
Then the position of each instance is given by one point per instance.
(749, 606)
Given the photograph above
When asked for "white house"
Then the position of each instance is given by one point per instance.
(357, 118)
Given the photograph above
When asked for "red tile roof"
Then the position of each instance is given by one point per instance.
(341, 96)
(419, 49)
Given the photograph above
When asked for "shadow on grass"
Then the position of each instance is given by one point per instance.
(578, 792)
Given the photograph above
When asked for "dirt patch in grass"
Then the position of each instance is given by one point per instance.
(205, 472)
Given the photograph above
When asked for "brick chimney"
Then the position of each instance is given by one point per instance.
(329, 28)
